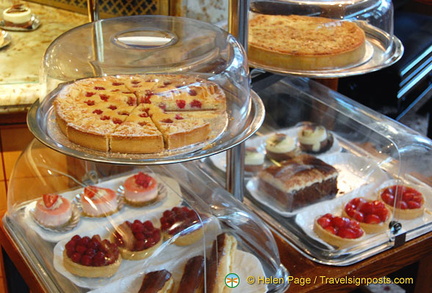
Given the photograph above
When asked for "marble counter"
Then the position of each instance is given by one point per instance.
(20, 61)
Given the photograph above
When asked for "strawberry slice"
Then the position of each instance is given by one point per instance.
(50, 199)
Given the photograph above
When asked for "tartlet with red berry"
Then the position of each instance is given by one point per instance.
(373, 215)
(406, 202)
(99, 201)
(91, 257)
(53, 211)
(137, 240)
(183, 223)
(338, 231)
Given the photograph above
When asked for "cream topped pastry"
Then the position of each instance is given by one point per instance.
(140, 189)
(53, 210)
(314, 138)
(254, 160)
(281, 147)
(17, 15)
(98, 201)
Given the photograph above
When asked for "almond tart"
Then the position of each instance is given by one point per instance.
(91, 257)
(373, 215)
(338, 231)
(182, 224)
(404, 201)
(137, 240)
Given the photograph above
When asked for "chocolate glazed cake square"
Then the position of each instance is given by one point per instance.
(299, 182)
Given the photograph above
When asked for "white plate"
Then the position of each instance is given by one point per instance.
(258, 142)
(354, 172)
(98, 225)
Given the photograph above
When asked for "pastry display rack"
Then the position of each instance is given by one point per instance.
(53, 171)
(374, 17)
(370, 151)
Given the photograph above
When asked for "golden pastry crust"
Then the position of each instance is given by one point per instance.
(89, 271)
(304, 42)
(138, 255)
(334, 239)
(122, 113)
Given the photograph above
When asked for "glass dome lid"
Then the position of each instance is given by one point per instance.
(378, 48)
(159, 61)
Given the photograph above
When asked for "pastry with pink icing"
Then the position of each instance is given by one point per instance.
(140, 189)
(98, 201)
(52, 210)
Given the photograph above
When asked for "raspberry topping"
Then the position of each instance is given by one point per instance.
(192, 92)
(404, 197)
(97, 111)
(369, 212)
(117, 83)
(143, 179)
(178, 117)
(167, 120)
(105, 117)
(104, 97)
(340, 226)
(89, 94)
(93, 251)
(99, 88)
(178, 219)
(112, 107)
(49, 199)
(117, 121)
(181, 103)
(90, 102)
(137, 236)
(196, 104)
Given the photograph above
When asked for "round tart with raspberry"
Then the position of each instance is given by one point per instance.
(373, 215)
(53, 211)
(137, 240)
(182, 223)
(140, 189)
(404, 201)
(338, 231)
(98, 201)
(91, 257)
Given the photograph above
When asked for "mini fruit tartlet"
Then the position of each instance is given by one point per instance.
(140, 189)
(91, 257)
(373, 215)
(52, 211)
(183, 224)
(98, 201)
(338, 231)
(137, 240)
(281, 147)
(404, 201)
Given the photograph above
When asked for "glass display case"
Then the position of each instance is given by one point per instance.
(370, 153)
(322, 39)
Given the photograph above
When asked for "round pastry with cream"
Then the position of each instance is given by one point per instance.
(18, 15)
(314, 138)
(254, 160)
(182, 224)
(373, 215)
(338, 231)
(137, 240)
(404, 201)
(91, 257)
(281, 147)
(140, 189)
(52, 211)
(98, 201)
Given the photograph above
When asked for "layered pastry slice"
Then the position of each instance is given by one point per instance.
(220, 262)
(299, 182)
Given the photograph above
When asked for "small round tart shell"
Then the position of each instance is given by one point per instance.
(403, 214)
(334, 239)
(90, 271)
(140, 254)
(186, 239)
(372, 228)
